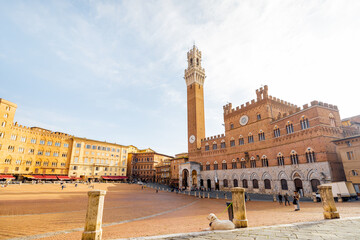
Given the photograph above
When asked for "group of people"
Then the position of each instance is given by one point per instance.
(296, 199)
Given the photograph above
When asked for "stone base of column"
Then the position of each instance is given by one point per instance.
(240, 223)
(331, 215)
(92, 235)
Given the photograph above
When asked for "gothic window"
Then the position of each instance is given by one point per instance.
(253, 163)
(310, 155)
(241, 141)
(243, 164)
(267, 184)
(214, 147)
(284, 185)
(207, 148)
(233, 164)
(304, 122)
(232, 143)
(258, 116)
(250, 138)
(215, 165)
(255, 183)
(289, 128)
(231, 125)
(191, 61)
(276, 132)
(236, 184)
(294, 158)
(224, 165)
(222, 145)
(197, 61)
(354, 173)
(245, 183)
(225, 183)
(265, 162)
(280, 159)
(261, 136)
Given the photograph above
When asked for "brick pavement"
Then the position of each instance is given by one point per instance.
(326, 229)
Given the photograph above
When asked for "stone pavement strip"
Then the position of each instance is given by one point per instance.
(348, 229)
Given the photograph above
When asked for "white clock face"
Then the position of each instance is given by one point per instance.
(192, 139)
(244, 120)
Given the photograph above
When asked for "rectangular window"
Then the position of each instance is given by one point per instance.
(49, 143)
(13, 137)
(23, 139)
(222, 145)
(107, 149)
(78, 145)
(94, 147)
(2, 135)
(40, 152)
(243, 164)
(47, 153)
(46, 164)
(42, 142)
(66, 145)
(37, 163)
(33, 140)
(216, 166)
(234, 165)
(253, 163)
(56, 154)
(350, 155)
(57, 144)
(251, 139)
(31, 151)
(224, 166)
(76, 160)
(21, 150)
(64, 155)
(18, 162)
(54, 164)
(207, 147)
(241, 141)
(63, 164)
(232, 143)
(85, 160)
(11, 148)
(88, 146)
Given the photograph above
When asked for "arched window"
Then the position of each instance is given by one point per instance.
(215, 165)
(289, 127)
(304, 122)
(234, 164)
(224, 165)
(197, 62)
(207, 148)
(225, 183)
(191, 61)
(255, 183)
(231, 125)
(332, 120)
(207, 166)
(243, 163)
(310, 155)
(245, 183)
(223, 145)
(267, 184)
(294, 158)
(276, 132)
(232, 142)
(241, 140)
(214, 147)
(250, 138)
(354, 173)
(261, 135)
(280, 159)
(3, 124)
(284, 185)
(264, 161)
(236, 184)
(314, 184)
(253, 163)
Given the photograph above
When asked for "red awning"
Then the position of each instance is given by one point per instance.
(114, 177)
(38, 177)
(76, 178)
(7, 177)
(63, 178)
(50, 177)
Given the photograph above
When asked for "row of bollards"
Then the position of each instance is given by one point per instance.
(93, 231)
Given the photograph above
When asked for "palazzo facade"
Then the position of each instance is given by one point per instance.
(269, 145)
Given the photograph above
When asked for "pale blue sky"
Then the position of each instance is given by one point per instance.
(113, 70)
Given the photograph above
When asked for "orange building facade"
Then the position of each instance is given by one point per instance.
(269, 145)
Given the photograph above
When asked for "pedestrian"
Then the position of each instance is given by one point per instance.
(157, 191)
(75, 184)
(286, 199)
(62, 187)
(296, 201)
(280, 199)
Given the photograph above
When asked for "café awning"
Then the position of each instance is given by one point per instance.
(7, 177)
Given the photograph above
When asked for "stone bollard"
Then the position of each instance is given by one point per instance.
(328, 202)
(225, 196)
(274, 198)
(238, 197)
(217, 196)
(209, 195)
(94, 215)
(339, 198)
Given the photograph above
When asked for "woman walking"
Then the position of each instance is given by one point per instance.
(296, 201)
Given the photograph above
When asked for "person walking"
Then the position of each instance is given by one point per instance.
(280, 199)
(286, 199)
(296, 201)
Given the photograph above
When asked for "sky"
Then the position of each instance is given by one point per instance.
(113, 70)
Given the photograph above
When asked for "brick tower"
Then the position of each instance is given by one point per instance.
(195, 77)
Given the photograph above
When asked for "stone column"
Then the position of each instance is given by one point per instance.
(328, 202)
(94, 215)
(238, 197)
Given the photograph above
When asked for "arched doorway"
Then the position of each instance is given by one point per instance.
(298, 186)
(194, 178)
(209, 184)
(245, 183)
(185, 177)
(314, 184)
(236, 184)
(201, 182)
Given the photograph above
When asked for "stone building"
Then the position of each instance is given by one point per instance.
(143, 164)
(269, 145)
(163, 172)
(349, 151)
(175, 167)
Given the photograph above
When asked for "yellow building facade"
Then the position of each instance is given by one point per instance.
(92, 159)
(27, 151)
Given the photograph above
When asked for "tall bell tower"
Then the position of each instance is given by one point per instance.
(195, 77)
